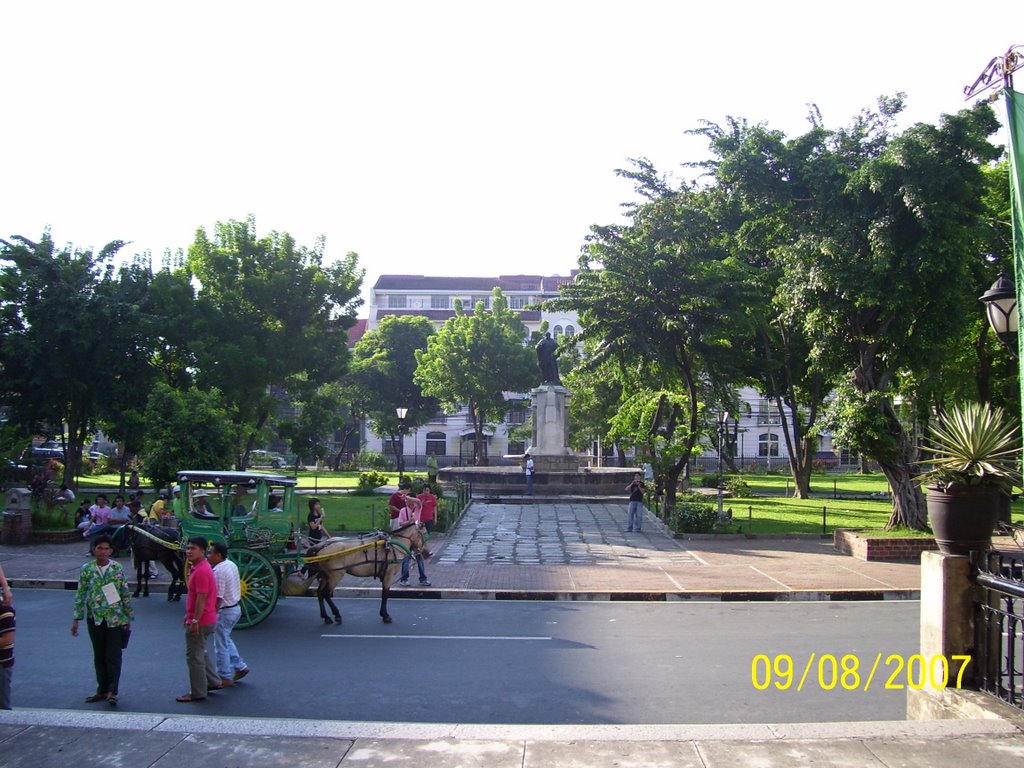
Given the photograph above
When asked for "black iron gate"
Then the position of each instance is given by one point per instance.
(999, 625)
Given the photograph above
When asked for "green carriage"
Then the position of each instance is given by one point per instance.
(254, 514)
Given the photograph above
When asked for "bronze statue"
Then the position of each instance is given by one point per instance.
(546, 354)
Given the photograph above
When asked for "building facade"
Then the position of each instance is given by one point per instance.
(448, 436)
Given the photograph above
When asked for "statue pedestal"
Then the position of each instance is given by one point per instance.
(550, 449)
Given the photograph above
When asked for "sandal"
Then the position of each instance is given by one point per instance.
(95, 697)
(189, 697)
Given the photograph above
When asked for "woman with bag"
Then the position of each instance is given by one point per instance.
(103, 601)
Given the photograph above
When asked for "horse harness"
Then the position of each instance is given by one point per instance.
(383, 541)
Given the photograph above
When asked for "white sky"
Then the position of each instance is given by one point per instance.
(433, 137)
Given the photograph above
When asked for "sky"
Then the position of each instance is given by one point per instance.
(434, 137)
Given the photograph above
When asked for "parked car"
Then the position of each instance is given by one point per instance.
(36, 456)
(266, 459)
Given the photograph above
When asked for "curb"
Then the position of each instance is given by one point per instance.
(412, 593)
(348, 729)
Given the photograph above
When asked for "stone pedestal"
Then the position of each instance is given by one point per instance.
(550, 449)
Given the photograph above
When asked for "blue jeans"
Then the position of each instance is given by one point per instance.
(635, 516)
(529, 484)
(227, 659)
(419, 566)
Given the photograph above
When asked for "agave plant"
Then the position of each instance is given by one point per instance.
(973, 445)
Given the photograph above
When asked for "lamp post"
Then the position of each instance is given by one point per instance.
(401, 412)
(724, 436)
(1001, 307)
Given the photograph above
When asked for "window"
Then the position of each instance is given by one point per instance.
(516, 447)
(767, 414)
(439, 302)
(515, 416)
(768, 444)
(437, 444)
(397, 301)
(557, 331)
(518, 302)
(570, 330)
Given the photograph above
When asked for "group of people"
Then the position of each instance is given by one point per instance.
(406, 507)
(212, 609)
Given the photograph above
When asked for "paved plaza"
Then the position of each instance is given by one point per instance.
(569, 533)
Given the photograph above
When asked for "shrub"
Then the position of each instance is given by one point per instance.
(738, 488)
(370, 460)
(708, 481)
(368, 482)
(694, 517)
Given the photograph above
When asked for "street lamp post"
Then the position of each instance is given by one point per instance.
(724, 435)
(401, 412)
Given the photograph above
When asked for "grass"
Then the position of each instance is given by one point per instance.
(307, 481)
(768, 516)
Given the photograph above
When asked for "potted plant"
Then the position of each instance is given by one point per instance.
(974, 450)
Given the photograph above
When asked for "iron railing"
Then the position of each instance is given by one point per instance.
(999, 626)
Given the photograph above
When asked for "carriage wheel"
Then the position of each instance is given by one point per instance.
(260, 586)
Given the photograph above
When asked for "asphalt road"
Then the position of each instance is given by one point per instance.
(494, 661)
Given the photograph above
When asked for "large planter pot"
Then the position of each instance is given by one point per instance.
(963, 519)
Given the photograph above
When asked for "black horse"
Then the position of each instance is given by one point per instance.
(153, 543)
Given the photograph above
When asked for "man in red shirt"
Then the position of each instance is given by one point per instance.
(200, 621)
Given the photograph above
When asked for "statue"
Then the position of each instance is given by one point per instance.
(546, 354)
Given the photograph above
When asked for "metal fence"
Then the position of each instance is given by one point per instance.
(999, 626)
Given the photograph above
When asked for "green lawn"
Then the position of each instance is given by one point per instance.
(308, 481)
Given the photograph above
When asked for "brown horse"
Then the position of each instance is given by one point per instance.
(378, 555)
(153, 543)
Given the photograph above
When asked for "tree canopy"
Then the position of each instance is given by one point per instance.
(474, 360)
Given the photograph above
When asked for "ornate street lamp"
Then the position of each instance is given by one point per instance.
(1001, 306)
(401, 412)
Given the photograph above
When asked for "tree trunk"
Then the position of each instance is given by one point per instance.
(908, 503)
(800, 467)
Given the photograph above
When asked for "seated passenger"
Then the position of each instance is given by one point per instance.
(200, 508)
(275, 503)
(238, 507)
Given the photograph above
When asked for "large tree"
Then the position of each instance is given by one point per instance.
(880, 262)
(473, 360)
(662, 299)
(68, 332)
(756, 206)
(269, 313)
(186, 429)
(383, 367)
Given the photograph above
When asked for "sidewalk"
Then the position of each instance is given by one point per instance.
(559, 550)
(42, 738)
(580, 551)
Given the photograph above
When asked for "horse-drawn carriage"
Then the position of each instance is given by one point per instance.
(255, 515)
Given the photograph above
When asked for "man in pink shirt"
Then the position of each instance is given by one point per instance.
(200, 620)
